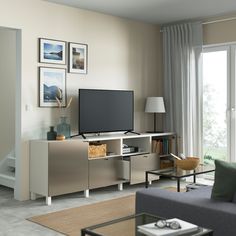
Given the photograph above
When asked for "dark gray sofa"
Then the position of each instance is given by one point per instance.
(194, 206)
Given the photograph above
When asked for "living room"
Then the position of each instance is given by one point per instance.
(133, 51)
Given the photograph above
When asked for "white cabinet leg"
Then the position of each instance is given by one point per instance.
(86, 193)
(32, 196)
(120, 186)
(49, 201)
(150, 182)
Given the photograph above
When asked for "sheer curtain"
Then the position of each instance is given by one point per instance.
(182, 46)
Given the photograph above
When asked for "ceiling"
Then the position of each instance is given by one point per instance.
(156, 11)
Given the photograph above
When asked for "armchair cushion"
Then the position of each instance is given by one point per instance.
(224, 186)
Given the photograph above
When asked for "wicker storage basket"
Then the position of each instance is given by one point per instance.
(166, 164)
(97, 150)
(190, 163)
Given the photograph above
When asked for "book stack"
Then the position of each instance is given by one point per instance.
(152, 230)
(162, 146)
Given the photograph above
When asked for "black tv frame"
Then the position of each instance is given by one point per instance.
(106, 131)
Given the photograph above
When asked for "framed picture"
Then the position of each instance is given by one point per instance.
(78, 58)
(52, 86)
(52, 51)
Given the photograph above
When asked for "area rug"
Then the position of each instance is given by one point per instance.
(71, 221)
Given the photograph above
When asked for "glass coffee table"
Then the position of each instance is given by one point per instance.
(127, 226)
(178, 173)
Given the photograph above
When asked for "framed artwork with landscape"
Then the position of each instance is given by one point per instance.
(52, 51)
(78, 58)
(52, 87)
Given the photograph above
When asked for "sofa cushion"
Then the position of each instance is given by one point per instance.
(224, 186)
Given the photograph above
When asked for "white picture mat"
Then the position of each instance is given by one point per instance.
(52, 77)
(83, 48)
(52, 42)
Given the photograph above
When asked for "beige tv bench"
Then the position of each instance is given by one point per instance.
(61, 167)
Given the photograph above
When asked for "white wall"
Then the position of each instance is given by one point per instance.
(7, 90)
(123, 54)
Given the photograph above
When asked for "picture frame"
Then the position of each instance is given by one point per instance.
(52, 84)
(52, 51)
(78, 58)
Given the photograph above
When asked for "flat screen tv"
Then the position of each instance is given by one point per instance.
(105, 110)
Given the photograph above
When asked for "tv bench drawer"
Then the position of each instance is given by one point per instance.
(133, 168)
(103, 172)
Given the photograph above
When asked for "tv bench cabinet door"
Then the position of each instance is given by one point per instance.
(67, 167)
(103, 172)
(141, 163)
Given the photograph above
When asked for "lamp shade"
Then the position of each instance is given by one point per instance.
(155, 105)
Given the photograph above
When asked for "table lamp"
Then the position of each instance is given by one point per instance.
(155, 105)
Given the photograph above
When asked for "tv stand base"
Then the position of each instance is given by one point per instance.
(132, 132)
(98, 134)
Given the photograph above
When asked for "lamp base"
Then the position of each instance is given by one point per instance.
(155, 132)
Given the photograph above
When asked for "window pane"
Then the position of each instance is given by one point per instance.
(214, 106)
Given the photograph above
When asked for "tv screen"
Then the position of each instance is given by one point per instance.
(105, 110)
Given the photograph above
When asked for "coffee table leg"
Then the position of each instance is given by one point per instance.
(146, 179)
(83, 232)
(178, 185)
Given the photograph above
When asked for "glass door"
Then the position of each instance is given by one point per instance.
(216, 104)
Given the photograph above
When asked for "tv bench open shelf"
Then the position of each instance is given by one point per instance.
(60, 167)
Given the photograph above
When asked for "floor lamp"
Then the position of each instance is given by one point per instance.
(155, 105)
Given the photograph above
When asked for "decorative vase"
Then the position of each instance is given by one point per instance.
(63, 128)
(52, 134)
